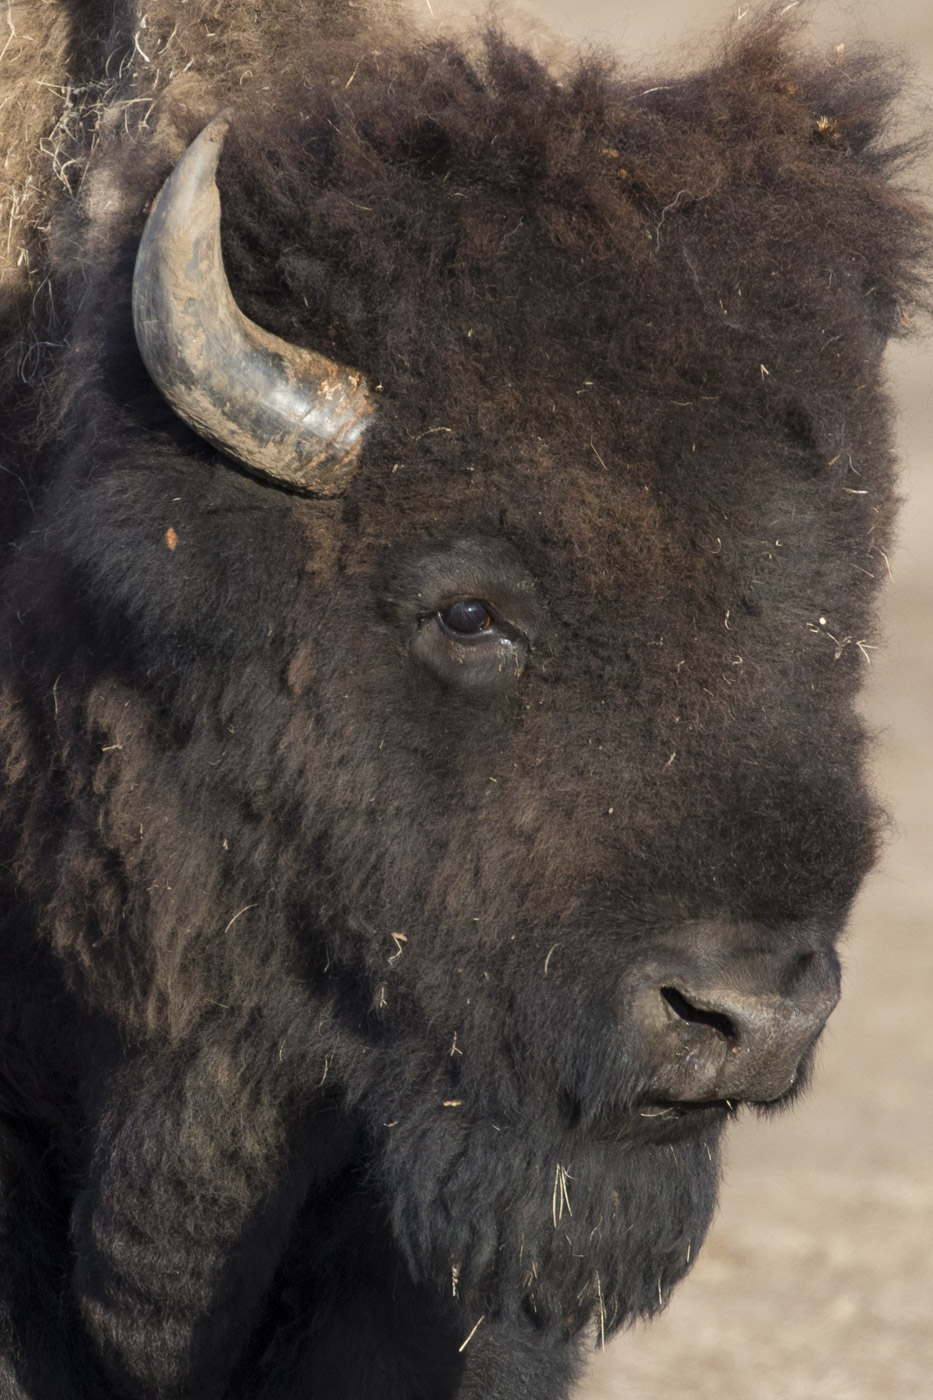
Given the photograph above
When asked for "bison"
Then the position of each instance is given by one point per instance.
(446, 490)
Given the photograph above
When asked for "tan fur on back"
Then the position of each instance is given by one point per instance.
(35, 42)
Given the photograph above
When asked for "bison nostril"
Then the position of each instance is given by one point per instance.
(697, 1015)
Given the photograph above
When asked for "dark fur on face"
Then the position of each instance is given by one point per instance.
(318, 933)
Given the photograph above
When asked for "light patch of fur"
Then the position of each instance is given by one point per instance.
(33, 101)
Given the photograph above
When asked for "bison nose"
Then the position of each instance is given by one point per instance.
(704, 1042)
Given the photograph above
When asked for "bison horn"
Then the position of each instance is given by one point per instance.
(288, 414)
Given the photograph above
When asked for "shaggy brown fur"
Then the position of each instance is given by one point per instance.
(315, 960)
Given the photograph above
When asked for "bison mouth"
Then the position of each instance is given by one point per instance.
(658, 1120)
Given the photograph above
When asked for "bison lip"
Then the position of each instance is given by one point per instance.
(698, 1113)
(651, 1121)
(661, 1120)
(666, 1109)
(661, 1109)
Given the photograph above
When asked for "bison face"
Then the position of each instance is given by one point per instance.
(515, 796)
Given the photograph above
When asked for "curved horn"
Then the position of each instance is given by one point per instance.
(286, 413)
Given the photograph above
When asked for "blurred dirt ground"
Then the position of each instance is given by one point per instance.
(816, 1282)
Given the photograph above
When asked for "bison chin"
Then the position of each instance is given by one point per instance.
(532, 1217)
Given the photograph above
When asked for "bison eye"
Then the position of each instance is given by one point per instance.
(465, 619)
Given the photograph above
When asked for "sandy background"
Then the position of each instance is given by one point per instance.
(817, 1280)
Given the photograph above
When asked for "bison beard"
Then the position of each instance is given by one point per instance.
(401, 889)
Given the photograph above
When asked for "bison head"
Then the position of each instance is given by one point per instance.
(511, 799)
